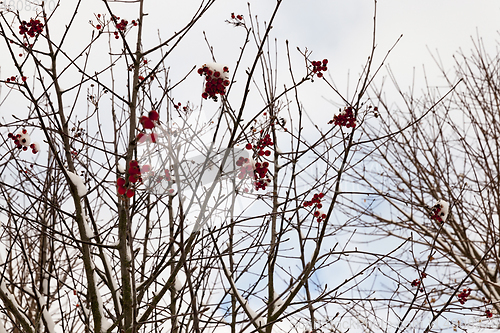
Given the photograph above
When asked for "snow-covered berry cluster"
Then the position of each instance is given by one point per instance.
(315, 202)
(319, 66)
(217, 79)
(31, 28)
(22, 140)
(345, 118)
(462, 297)
(439, 212)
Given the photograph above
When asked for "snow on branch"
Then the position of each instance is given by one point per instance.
(78, 182)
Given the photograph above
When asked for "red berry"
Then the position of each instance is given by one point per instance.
(120, 182)
(130, 193)
(148, 124)
(153, 115)
(248, 146)
(121, 190)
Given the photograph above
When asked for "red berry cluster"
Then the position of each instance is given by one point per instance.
(148, 122)
(261, 146)
(488, 313)
(260, 176)
(184, 108)
(32, 28)
(237, 17)
(345, 118)
(436, 213)
(134, 172)
(217, 79)
(14, 79)
(319, 66)
(416, 282)
(22, 141)
(167, 176)
(462, 297)
(122, 26)
(246, 167)
(261, 169)
(316, 203)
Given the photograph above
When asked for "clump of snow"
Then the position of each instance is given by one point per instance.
(260, 321)
(46, 316)
(215, 67)
(120, 167)
(105, 324)
(88, 230)
(78, 182)
(178, 284)
(278, 302)
(445, 206)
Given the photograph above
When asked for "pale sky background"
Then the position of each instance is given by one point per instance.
(335, 29)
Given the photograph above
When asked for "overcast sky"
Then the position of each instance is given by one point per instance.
(339, 30)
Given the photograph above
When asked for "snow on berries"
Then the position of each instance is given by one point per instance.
(22, 140)
(345, 118)
(439, 212)
(216, 80)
